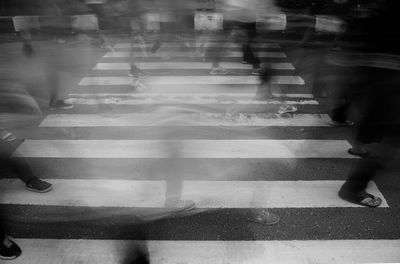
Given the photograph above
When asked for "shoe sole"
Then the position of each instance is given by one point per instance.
(9, 258)
(61, 108)
(262, 222)
(340, 124)
(39, 191)
(348, 198)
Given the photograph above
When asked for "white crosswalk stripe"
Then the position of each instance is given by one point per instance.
(182, 119)
(187, 149)
(206, 194)
(190, 80)
(188, 65)
(182, 98)
(200, 44)
(195, 252)
(231, 54)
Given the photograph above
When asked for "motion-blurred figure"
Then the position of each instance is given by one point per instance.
(54, 70)
(376, 62)
(15, 103)
(240, 24)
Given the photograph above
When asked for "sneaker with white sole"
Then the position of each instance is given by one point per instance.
(9, 250)
(7, 135)
(60, 105)
(257, 72)
(287, 109)
(38, 185)
(265, 217)
(181, 205)
(218, 71)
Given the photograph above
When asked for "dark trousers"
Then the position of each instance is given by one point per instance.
(19, 167)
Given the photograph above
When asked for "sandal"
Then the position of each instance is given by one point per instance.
(361, 198)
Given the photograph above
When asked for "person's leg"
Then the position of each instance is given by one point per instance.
(53, 82)
(23, 171)
(214, 51)
(8, 249)
(135, 72)
(250, 34)
(339, 112)
(354, 189)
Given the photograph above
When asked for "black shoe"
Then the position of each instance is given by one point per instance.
(11, 252)
(38, 185)
(60, 105)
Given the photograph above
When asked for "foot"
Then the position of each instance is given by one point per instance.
(334, 123)
(218, 71)
(9, 249)
(287, 109)
(107, 47)
(181, 205)
(60, 105)
(137, 85)
(138, 73)
(265, 217)
(38, 185)
(361, 198)
(361, 152)
(257, 72)
(7, 136)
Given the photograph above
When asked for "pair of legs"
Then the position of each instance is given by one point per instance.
(380, 125)
(20, 168)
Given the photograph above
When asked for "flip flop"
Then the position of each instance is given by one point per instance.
(371, 201)
(362, 198)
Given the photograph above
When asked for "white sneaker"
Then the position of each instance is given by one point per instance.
(265, 217)
(181, 205)
(287, 109)
(218, 71)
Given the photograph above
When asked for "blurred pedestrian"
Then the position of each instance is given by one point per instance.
(377, 62)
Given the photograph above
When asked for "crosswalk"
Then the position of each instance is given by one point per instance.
(120, 155)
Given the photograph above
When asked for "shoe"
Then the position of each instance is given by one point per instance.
(138, 73)
(287, 109)
(265, 217)
(139, 87)
(107, 47)
(361, 198)
(181, 205)
(10, 251)
(7, 136)
(257, 72)
(38, 185)
(218, 71)
(60, 105)
(361, 152)
(334, 123)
